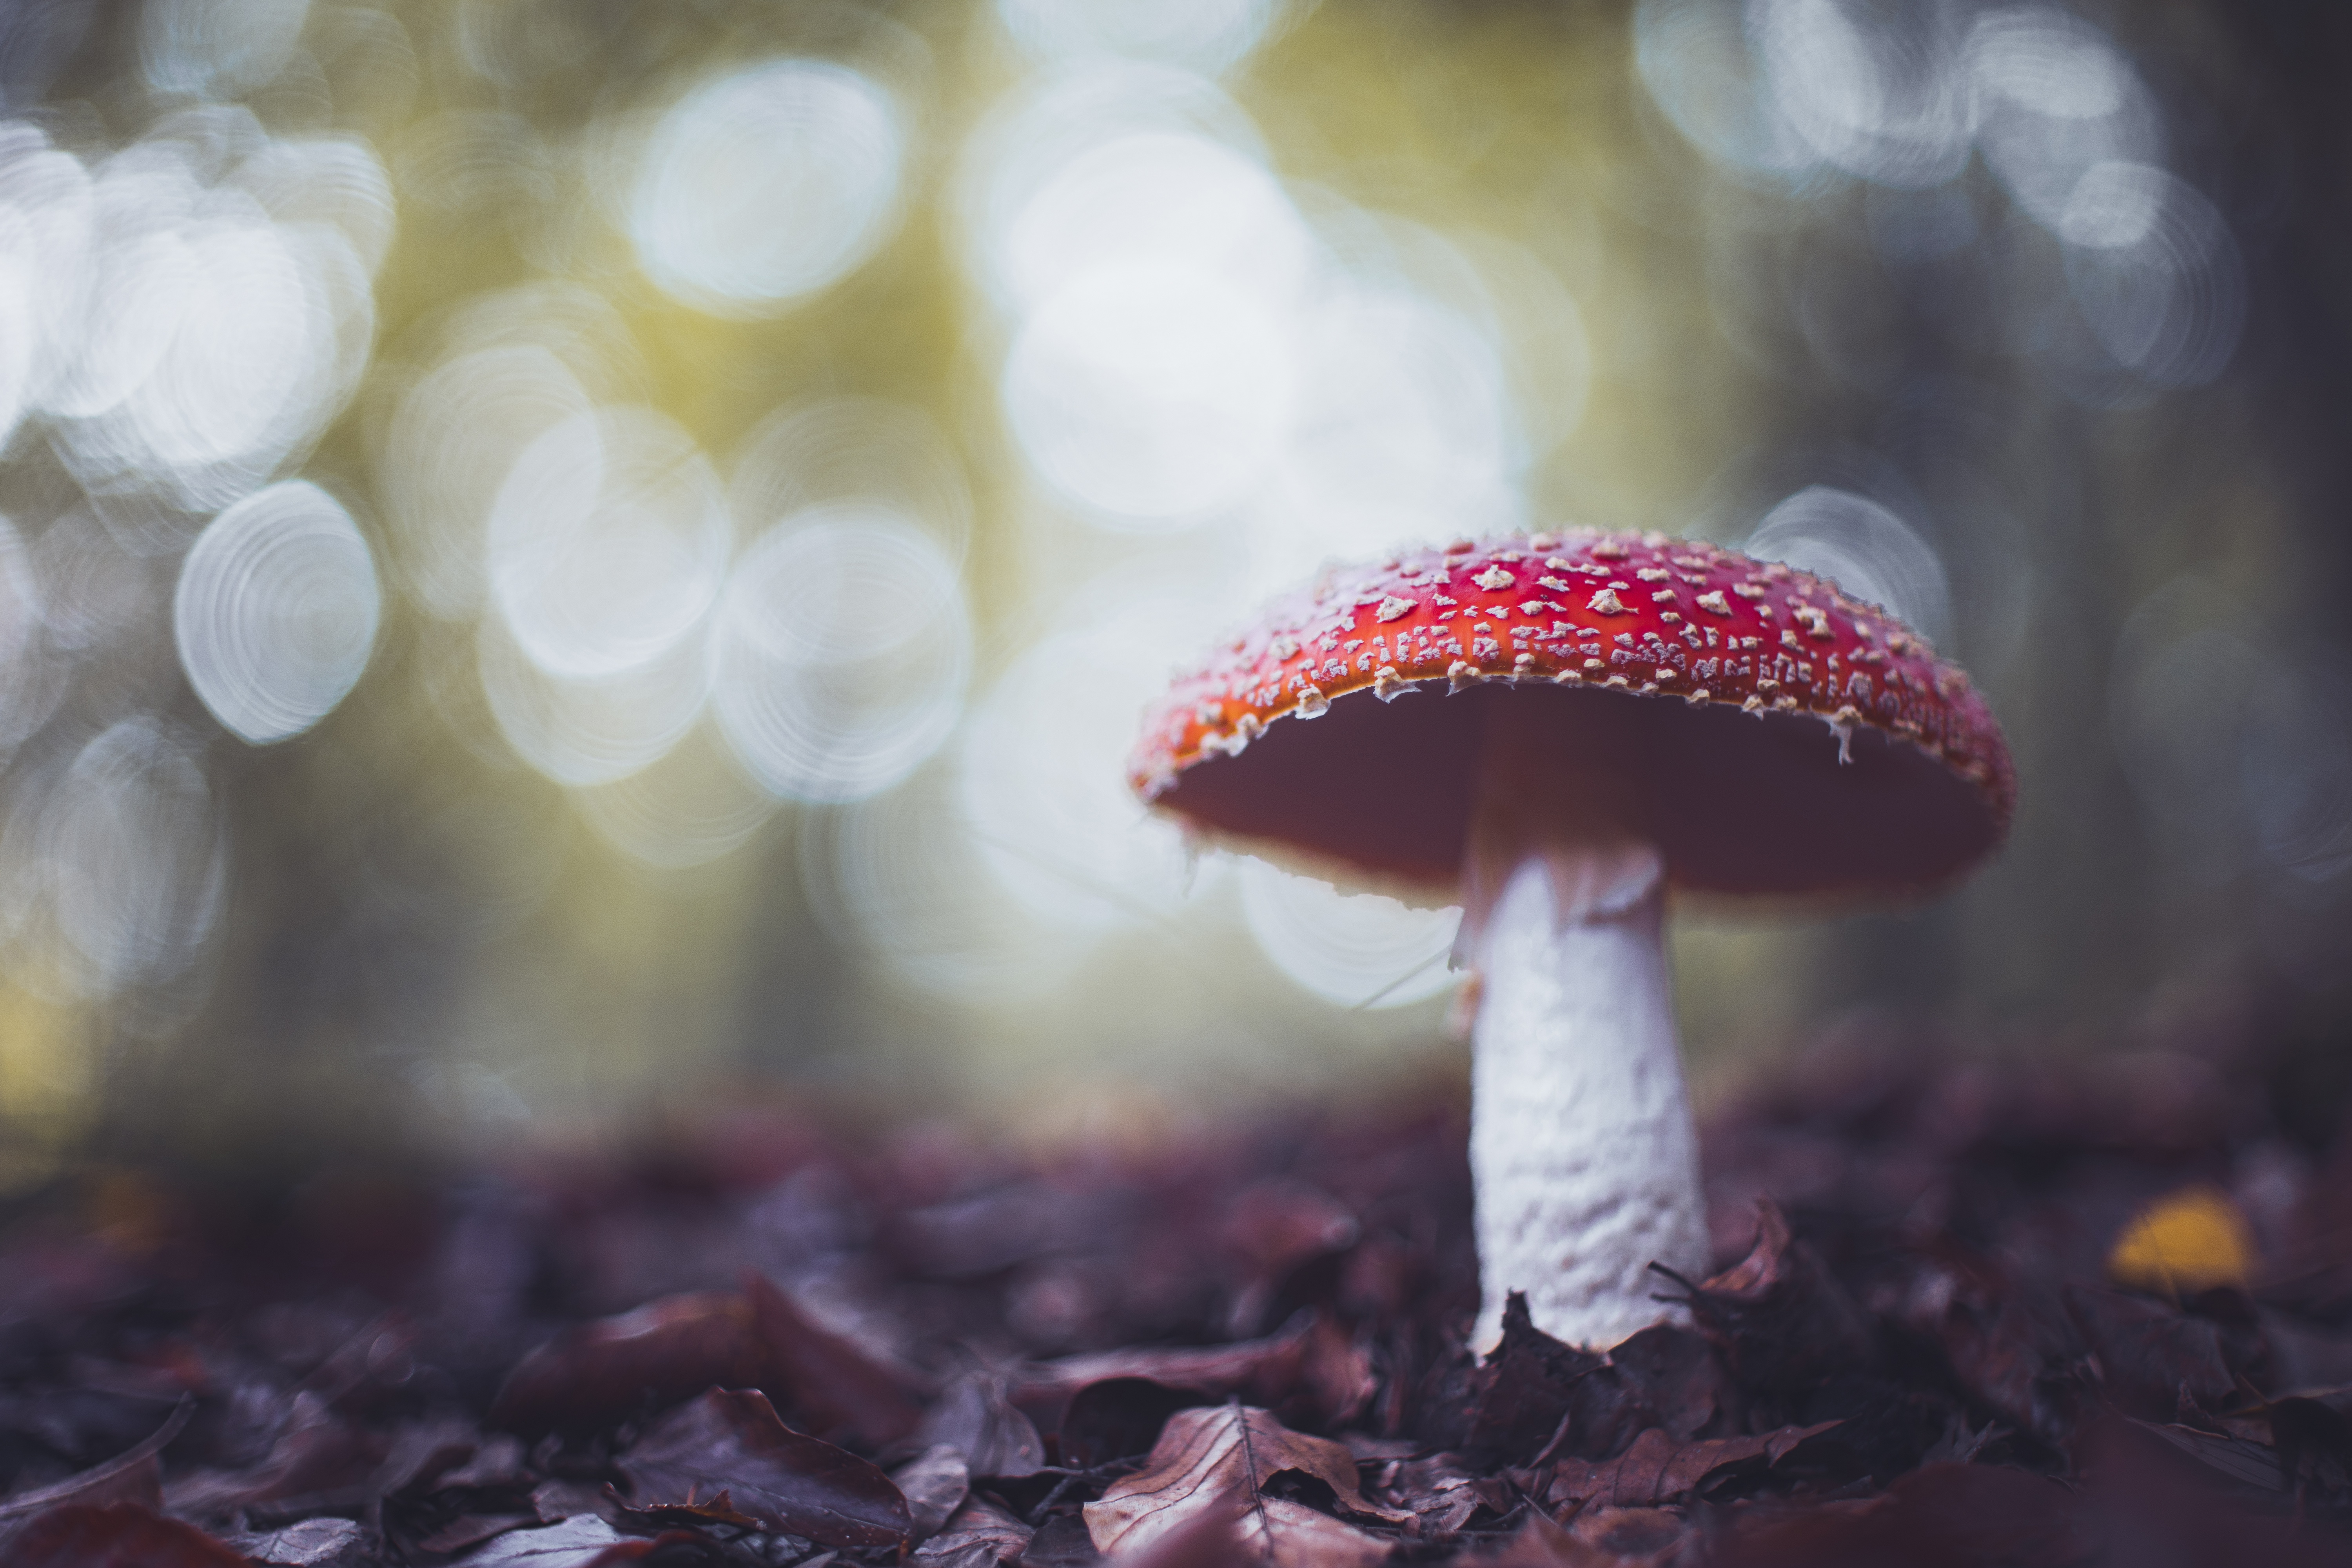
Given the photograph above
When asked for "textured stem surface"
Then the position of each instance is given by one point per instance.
(1580, 1139)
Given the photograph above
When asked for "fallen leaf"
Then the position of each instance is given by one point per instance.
(308, 1544)
(2184, 1242)
(1945, 1515)
(578, 1543)
(935, 1483)
(790, 1481)
(2012, 1348)
(2232, 1459)
(1536, 1397)
(847, 1391)
(2143, 1500)
(978, 1527)
(1780, 1318)
(440, 1494)
(2313, 1432)
(661, 1516)
(1204, 1541)
(472, 1529)
(1061, 1541)
(1337, 1372)
(322, 1460)
(1270, 1228)
(974, 1416)
(663, 1353)
(134, 1476)
(1274, 1222)
(1261, 1372)
(1442, 1490)
(1543, 1542)
(971, 1554)
(1292, 1535)
(370, 1368)
(1629, 1536)
(1527, 1385)
(1119, 1417)
(118, 1535)
(2149, 1351)
(1657, 1469)
(1671, 1374)
(1206, 1456)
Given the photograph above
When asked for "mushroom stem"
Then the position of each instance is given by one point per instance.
(1581, 1149)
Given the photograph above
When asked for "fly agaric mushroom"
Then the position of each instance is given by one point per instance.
(1622, 714)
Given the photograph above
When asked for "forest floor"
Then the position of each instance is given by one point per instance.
(2091, 1310)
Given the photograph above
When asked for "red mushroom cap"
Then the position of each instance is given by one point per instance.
(1645, 653)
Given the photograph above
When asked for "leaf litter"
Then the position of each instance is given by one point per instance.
(1205, 1459)
(1964, 1312)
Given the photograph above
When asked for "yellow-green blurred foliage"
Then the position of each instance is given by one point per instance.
(765, 456)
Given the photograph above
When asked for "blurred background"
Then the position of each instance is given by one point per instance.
(562, 563)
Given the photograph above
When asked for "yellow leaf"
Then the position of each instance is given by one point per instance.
(2186, 1241)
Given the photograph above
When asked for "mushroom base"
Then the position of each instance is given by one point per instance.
(1581, 1147)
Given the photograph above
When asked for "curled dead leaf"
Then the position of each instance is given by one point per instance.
(848, 1392)
(731, 1441)
(1657, 1469)
(1207, 1459)
(978, 1531)
(131, 1476)
(974, 1415)
(665, 1352)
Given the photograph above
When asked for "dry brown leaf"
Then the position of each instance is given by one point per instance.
(1292, 1535)
(975, 1416)
(1599, 1538)
(310, 1544)
(935, 1481)
(662, 1353)
(978, 1530)
(852, 1392)
(133, 1476)
(790, 1481)
(1264, 1369)
(1657, 1469)
(1205, 1459)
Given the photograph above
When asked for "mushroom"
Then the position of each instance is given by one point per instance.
(1621, 715)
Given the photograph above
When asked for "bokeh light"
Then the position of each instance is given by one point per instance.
(855, 450)
(766, 184)
(275, 611)
(899, 875)
(1867, 551)
(843, 654)
(623, 547)
(219, 340)
(1210, 36)
(217, 46)
(599, 728)
(1151, 392)
(689, 806)
(1355, 950)
(1063, 835)
(607, 542)
(115, 868)
(2057, 99)
(2153, 271)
